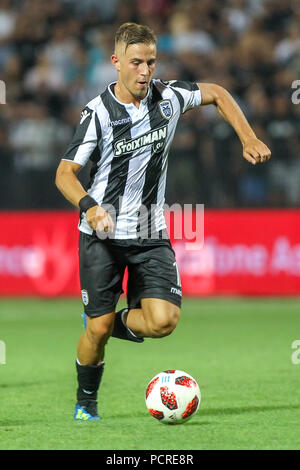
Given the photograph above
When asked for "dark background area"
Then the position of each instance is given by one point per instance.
(55, 57)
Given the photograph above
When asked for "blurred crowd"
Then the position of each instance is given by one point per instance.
(55, 57)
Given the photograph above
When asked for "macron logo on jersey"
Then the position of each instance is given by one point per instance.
(84, 115)
(156, 138)
(120, 122)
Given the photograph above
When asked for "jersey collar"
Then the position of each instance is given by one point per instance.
(143, 101)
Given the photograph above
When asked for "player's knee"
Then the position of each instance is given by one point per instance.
(99, 329)
(164, 323)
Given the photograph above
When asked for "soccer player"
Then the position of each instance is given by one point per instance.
(127, 132)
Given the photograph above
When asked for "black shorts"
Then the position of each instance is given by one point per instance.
(152, 272)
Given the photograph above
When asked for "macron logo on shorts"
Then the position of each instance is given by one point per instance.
(174, 290)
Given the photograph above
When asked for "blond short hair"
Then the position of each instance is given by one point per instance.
(132, 33)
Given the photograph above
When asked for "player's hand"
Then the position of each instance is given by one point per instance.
(99, 219)
(255, 151)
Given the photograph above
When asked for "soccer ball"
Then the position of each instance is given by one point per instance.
(173, 397)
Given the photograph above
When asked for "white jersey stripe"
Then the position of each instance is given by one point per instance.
(132, 197)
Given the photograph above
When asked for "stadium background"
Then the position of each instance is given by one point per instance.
(54, 57)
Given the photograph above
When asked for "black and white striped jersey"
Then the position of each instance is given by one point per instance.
(129, 147)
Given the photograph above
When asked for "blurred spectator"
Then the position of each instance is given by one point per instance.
(237, 15)
(289, 46)
(38, 142)
(7, 19)
(55, 57)
(6, 174)
(100, 71)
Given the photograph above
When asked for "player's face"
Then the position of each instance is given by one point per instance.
(136, 66)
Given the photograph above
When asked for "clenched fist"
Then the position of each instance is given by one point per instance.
(255, 151)
(99, 219)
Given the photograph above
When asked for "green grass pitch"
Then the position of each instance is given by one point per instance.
(239, 351)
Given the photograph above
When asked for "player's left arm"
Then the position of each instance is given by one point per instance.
(254, 150)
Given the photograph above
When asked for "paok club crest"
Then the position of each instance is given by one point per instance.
(85, 296)
(165, 107)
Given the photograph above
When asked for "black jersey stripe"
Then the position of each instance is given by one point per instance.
(79, 135)
(119, 165)
(96, 154)
(154, 168)
(189, 86)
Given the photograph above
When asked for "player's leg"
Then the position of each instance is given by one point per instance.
(154, 293)
(91, 344)
(157, 318)
(90, 365)
(101, 283)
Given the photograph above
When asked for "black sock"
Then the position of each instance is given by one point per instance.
(89, 378)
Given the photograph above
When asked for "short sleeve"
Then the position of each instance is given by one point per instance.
(188, 94)
(85, 139)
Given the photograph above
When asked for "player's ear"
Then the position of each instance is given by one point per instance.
(115, 61)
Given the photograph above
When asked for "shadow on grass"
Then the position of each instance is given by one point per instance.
(197, 420)
(173, 425)
(245, 409)
(9, 424)
(26, 384)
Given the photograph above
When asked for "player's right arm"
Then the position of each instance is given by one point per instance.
(84, 143)
(67, 182)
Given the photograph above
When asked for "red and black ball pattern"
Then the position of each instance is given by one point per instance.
(168, 398)
(156, 414)
(151, 385)
(191, 407)
(185, 381)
